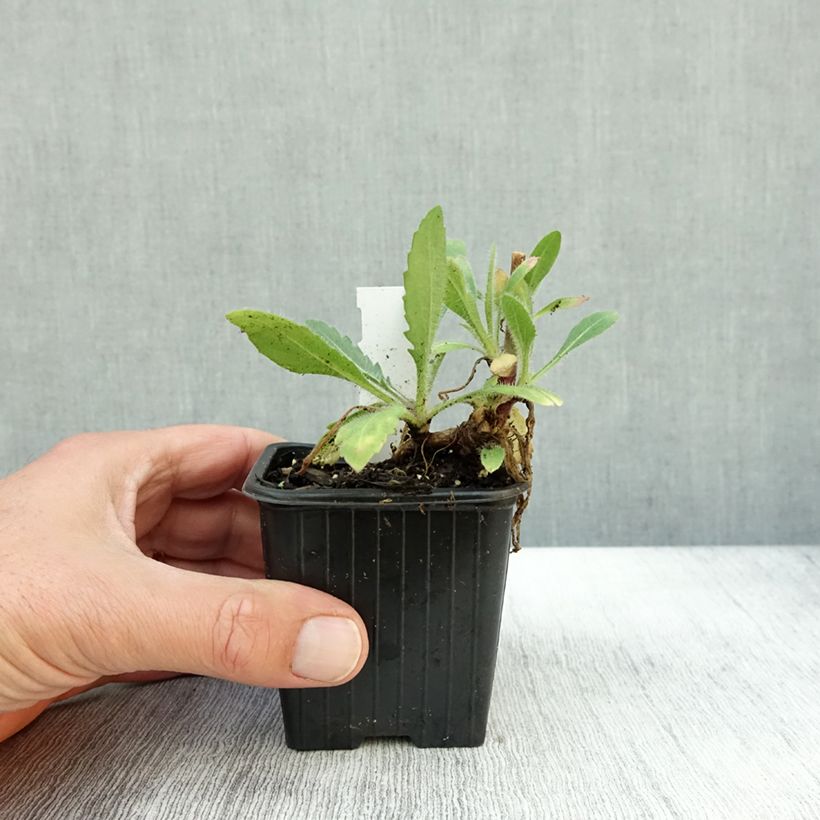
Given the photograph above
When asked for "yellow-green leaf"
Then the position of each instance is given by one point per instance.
(456, 247)
(562, 304)
(526, 392)
(362, 435)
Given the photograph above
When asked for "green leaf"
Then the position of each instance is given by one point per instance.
(517, 285)
(517, 275)
(547, 252)
(362, 435)
(301, 350)
(492, 457)
(455, 247)
(522, 330)
(561, 304)
(425, 283)
(349, 348)
(545, 242)
(588, 328)
(463, 264)
(435, 366)
(457, 255)
(527, 392)
(459, 299)
(490, 303)
(440, 348)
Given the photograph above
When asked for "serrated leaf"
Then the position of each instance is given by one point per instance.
(362, 435)
(348, 347)
(298, 348)
(461, 301)
(521, 329)
(547, 252)
(561, 304)
(491, 457)
(588, 328)
(425, 283)
(527, 392)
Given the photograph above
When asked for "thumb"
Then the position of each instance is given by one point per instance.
(262, 632)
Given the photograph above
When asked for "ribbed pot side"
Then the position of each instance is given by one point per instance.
(427, 576)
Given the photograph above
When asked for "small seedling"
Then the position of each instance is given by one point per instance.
(495, 442)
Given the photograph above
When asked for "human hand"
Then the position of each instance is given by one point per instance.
(83, 602)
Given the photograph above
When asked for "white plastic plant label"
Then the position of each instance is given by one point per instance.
(383, 340)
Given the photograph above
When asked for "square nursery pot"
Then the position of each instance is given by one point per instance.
(427, 575)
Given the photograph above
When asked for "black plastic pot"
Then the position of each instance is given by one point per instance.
(427, 575)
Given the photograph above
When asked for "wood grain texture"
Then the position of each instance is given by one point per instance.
(634, 682)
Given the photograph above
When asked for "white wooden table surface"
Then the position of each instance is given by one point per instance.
(632, 682)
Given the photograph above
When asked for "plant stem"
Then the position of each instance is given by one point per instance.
(439, 408)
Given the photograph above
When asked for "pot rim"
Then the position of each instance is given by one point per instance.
(265, 492)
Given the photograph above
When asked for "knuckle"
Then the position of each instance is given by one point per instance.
(241, 633)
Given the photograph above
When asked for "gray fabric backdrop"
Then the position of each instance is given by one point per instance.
(161, 163)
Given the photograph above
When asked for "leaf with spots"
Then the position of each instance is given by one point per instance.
(301, 350)
(363, 434)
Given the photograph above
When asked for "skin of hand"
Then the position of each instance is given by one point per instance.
(132, 556)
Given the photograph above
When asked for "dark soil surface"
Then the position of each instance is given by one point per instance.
(447, 470)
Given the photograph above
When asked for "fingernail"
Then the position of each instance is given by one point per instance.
(327, 649)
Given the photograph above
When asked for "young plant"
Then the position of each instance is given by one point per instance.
(496, 436)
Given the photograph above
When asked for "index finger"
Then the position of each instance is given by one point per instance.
(198, 460)
(187, 461)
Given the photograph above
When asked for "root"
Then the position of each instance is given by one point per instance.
(526, 467)
(444, 394)
(442, 449)
(450, 443)
(520, 506)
